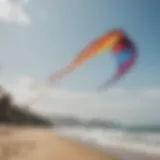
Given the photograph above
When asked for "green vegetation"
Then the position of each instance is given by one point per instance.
(11, 113)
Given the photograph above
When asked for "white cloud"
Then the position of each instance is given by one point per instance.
(118, 103)
(14, 12)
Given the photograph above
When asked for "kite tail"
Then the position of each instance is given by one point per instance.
(53, 79)
(109, 83)
(57, 75)
(61, 73)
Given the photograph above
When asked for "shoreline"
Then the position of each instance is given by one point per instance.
(29, 143)
(123, 153)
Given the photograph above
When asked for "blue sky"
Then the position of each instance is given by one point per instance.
(51, 32)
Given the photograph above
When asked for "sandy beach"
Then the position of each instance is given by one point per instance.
(27, 143)
(17, 143)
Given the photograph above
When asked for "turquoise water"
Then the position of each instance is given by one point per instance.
(143, 129)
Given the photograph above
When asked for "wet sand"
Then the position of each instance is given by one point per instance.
(126, 154)
(26, 143)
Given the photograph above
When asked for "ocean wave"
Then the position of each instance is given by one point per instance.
(143, 142)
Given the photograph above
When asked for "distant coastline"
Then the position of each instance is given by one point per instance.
(64, 120)
(71, 121)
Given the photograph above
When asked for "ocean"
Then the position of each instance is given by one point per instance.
(138, 142)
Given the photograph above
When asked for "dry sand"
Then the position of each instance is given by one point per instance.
(26, 143)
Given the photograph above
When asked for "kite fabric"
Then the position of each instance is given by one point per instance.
(95, 48)
(115, 41)
(125, 54)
